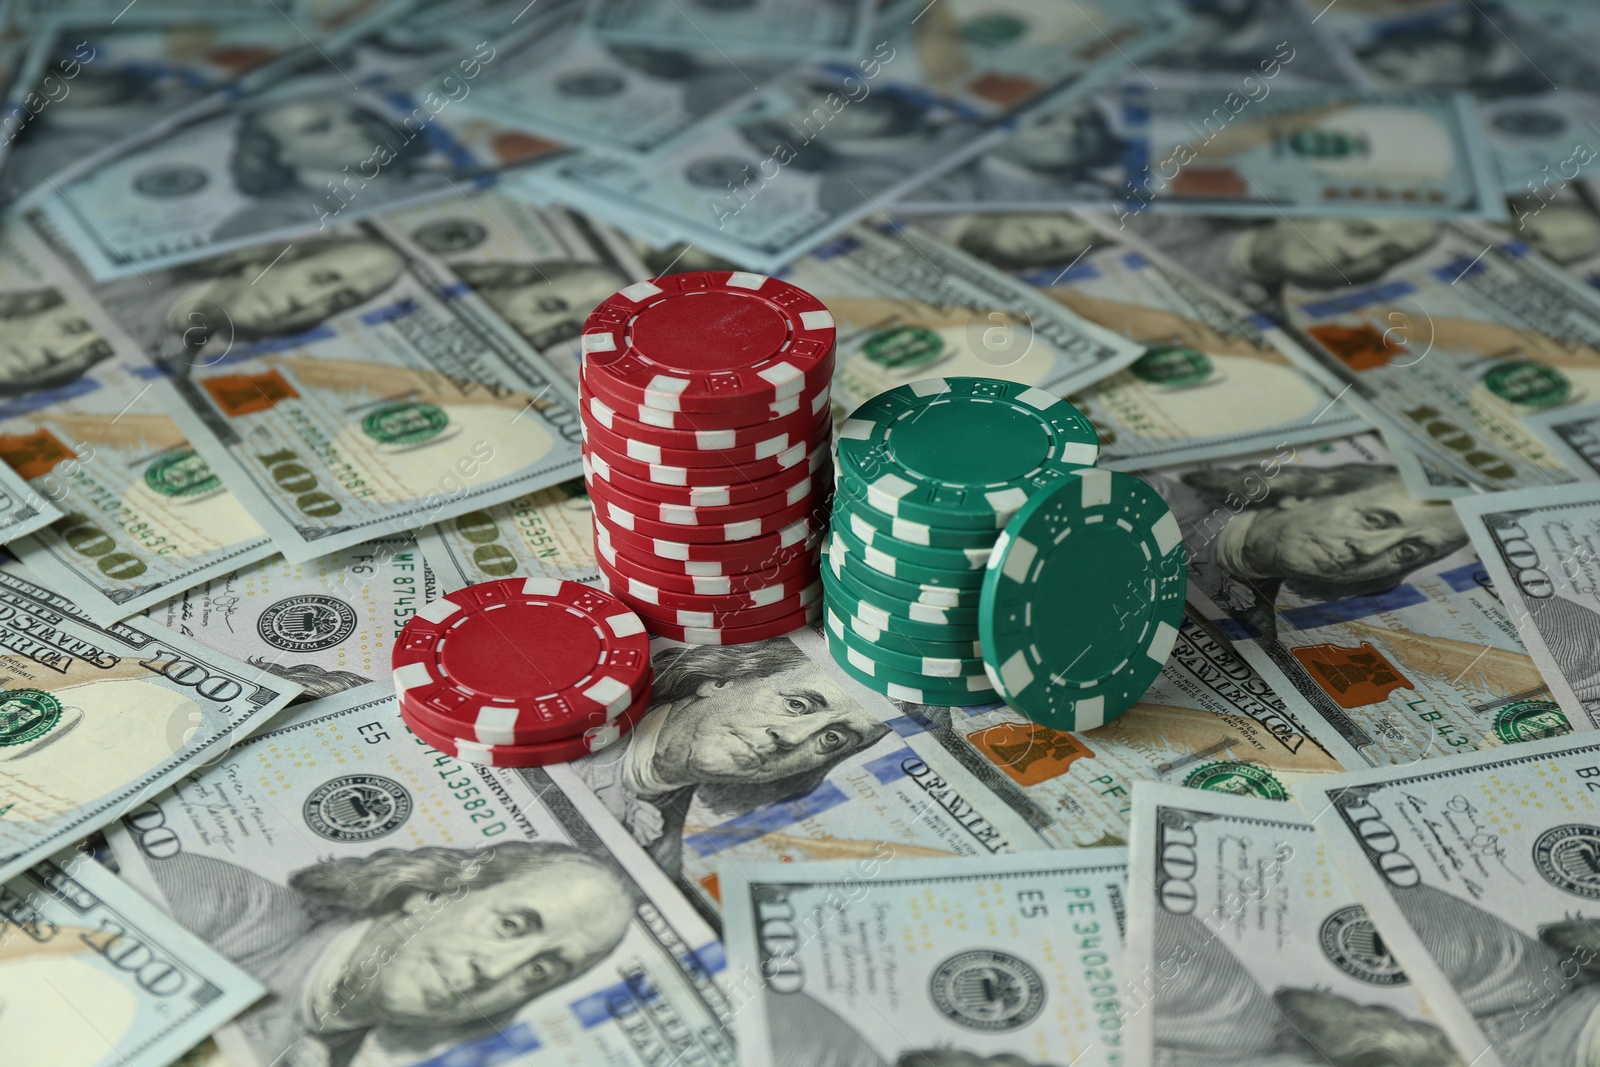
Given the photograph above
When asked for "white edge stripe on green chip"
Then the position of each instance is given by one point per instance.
(1038, 398)
(929, 386)
(1096, 487)
(439, 610)
(916, 532)
(412, 676)
(997, 554)
(1019, 561)
(624, 624)
(834, 624)
(873, 615)
(1015, 675)
(928, 613)
(879, 560)
(640, 291)
(942, 668)
(889, 487)
(1166, 533)
(610, 694)
(855, 430)
(816, 320)
(1161, 645)
(1006, 501)
(743, 279)
(861, 661)
(1089, 713)
(599, 342)
(1081, 453)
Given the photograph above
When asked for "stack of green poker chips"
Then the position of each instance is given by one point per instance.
(928, 475)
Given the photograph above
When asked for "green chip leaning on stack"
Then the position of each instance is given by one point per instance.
(928, 475)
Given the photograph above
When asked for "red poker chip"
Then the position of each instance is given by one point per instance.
(597, 437)
(618, 517)
(818, 485)
(752, 552)
(535, 755)
(765, 562)
(630, 589)
(712, 438)
(691, 421)
(643, 569)
(535, 657)
(708, 341)
(665, 474)
(739, 635)
(708, 496)
(653, 614)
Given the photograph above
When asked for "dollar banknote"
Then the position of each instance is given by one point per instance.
(95, 718)
(1447, 335)
(550, 533)
(157, 12)
(1538, 546)
(1561, 221)
(1538, 89)
(1265, 40)
(828, 146)
(1247, 945)
(1214, 378)
(1363, 607)
(142, 517)
(541, 269)
(1424, 478)
(327, 625)
(405, 908)
(1573, 434)
(349, 387)
(1208, 722)
(1258, 150)
(1015, 961)
(92, 974)
(813, 29)
(1476, 872)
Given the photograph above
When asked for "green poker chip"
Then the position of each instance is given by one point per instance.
(850, 498)
(933, 557)
(908, 570)
(908, 607)
(1083, 599)
(909, 688)
(962, 453)
(924, 627)
(942, 668)
(897, 641)
(938, 596)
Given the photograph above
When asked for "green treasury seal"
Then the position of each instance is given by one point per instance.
(405, 422)
(27, 714)
(181, 473)
(1233, 776)
(1530, 720)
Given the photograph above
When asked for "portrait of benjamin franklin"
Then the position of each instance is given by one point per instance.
(296, 146)
(45, 342)
(546, 303)
(408, 947)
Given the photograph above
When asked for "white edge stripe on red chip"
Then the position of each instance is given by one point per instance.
(599, 342)
(743, 279)
(412, 676)
(611, 694)
(439, 610)
(640, 291)
(816, 320)
(624, 624)
(541, 586)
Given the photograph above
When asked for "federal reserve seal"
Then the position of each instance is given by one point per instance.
(26, 715)
(357, 807)
(987, 990)
(1530, 720)
(166, 182)
(307, 623)
(181, 475)
(1241, 779)
(405, 423)
(1351, 941)
(1568, 856)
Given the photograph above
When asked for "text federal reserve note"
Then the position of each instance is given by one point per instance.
(1476, 872)
(884, 961)
(404, 908)
(1246, 944)
(93, 975)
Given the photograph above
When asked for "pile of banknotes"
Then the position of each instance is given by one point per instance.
(290, 295)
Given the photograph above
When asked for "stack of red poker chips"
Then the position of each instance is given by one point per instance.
(523, 672)
(707, 430)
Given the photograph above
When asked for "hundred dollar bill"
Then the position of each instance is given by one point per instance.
(1016, 960)
(1447, 335)
(94, 719)
(105, 12)
(766, 752)
(1573, 434)
(1539, 548)
(235, 173)
(542, 269)
(1258, 150)
(1476, 873)
(549, 533)
(92, 974)
(1208, 722)
(327, 625)
(142, 516)
(1562, 222)
(349, 387)
(1214, 378)
(1266, 40)
(1361, 605)
(22, 510)
(405, 908)
(1538, 90)
(1425, 479)
(814, 29)
(827, 146)
(100, 84)
(1246, 945)
(641, 98)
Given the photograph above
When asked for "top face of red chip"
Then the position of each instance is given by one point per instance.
(708, 341)
(538, 656)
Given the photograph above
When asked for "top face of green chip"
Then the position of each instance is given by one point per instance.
(1083, 599)
(962, 452)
